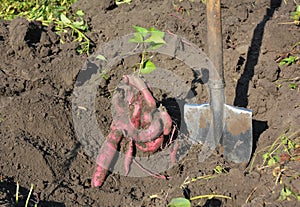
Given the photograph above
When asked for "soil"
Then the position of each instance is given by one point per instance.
(39, 143)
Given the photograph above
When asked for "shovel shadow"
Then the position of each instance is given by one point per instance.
(241, 93)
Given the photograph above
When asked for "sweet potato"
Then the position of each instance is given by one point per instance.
(150, 146)
(142, 124)
(167, 122)
(104, 159)
(142, 87)
(128, 157)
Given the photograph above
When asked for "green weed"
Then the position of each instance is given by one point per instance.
(282, 150)
(286, 194)
(285, 149)
(293, 86)
(176, 202)
(150, 36)
(57, 12)
(289, 60)
(103, 73)
(296, 15)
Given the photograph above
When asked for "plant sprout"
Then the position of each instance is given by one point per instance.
(150, 36)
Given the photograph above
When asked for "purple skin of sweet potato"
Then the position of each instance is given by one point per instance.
(104, 159)
(140, 85)
(128, 157)
(144, 125)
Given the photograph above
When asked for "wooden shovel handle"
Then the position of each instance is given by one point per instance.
(214, 37)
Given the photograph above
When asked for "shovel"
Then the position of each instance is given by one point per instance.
(218, 123)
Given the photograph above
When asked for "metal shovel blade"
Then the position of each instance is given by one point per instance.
(237, 130)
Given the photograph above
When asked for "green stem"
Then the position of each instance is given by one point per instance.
(17, 193)
(209, 197)
(142, 62)
(28, 198)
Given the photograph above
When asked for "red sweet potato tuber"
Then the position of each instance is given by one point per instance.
(167, 122)
(136, 118)
(128, 157)
(150, 146)
(104, 159)
(140, 85)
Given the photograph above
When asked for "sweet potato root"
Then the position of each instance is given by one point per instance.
(150, 146)
(128, 157)
(104, 159)
(143, 125)
(140, 85)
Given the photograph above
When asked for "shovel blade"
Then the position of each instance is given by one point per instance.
(237, 136)
(198, 119)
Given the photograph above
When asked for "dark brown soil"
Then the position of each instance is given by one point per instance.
(39, 143)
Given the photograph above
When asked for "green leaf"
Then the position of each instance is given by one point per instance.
(266, 156)
(101, 57)
(64, 19)
(148, 67)
(80, 13)
(156, 37)
(284, 139)
(179, 202)
(104, 76)
(138, 38)
(79, 25)
(288, 61)
(292, 85)
(273, 160)
(276, 158)
(141, 30)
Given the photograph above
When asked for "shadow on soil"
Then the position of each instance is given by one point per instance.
(241, 94)
(8, 190)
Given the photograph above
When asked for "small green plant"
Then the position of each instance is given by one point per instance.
(118, 2)
(48, 11)
(293, 86)
(103, 73)
(182, 202)
(296, 15)
(281, 150)
(78, 29)
(286, 194)
(284, 149)
(150, 36)
(289, 60)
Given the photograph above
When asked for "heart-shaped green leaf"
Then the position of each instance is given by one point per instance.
(156, 37)
(138, 38)
(141, 30)
(148, 67)
(179, 202)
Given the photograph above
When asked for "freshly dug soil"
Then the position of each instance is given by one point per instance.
(40, 145)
